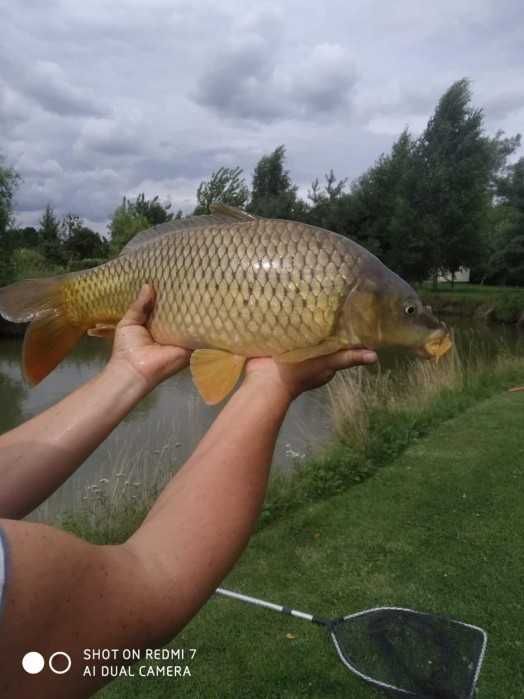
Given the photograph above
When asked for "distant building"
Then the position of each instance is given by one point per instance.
(462, 275)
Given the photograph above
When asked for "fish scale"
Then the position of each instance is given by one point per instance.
(230, 286)
(257, 288)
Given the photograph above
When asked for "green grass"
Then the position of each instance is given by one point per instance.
(439, 530)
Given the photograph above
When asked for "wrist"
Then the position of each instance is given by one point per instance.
(270, 387)
(125, 381)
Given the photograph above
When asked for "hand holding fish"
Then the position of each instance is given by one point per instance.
(294, 379)
(134, 349)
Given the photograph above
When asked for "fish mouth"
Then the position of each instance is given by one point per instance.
(437, 346)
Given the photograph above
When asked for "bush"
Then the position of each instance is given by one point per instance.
(31, 263)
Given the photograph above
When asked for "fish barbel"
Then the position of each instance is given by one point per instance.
(230, 286)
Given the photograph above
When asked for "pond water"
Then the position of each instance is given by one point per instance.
(166, 426)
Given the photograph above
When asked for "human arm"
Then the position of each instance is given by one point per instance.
(39, 455)
(65, 594)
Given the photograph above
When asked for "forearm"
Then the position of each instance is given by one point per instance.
(203, 520)
(37, 457)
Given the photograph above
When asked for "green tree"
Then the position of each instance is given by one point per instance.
(503, 262)
(14, 238)
(226, 185)
(511, 188)
(80, 242)
(49, 234)
(273, 194)
(9, 181)
(70, 223)
(152, 209)
(381, 211)
(125, 223)
(328, 208)
(453, 186)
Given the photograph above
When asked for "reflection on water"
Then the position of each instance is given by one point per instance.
(159, 433)
(166, 426)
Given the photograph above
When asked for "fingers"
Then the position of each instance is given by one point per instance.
(138, 312)
(349, 358)
(344, 360)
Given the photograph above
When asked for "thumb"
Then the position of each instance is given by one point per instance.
(138, 312)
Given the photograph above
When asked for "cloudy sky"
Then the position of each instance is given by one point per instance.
(100, 99)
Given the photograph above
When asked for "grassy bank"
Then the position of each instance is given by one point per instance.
(496, 303)
(440, 529)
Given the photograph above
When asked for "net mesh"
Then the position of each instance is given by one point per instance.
(418, 654)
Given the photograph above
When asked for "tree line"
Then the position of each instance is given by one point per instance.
(446, 199)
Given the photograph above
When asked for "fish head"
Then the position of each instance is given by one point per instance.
(383, 310)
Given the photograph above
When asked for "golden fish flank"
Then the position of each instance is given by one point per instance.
(229, 286)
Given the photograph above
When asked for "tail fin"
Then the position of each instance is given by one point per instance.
(51, 335)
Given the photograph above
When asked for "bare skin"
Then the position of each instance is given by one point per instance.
(65, 594)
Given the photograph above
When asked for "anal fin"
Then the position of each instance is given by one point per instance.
(47, 341)
(330, 345)
(215, 373)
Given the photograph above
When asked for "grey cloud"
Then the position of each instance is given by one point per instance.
(249, 82)
(46, 83)
(112, 137)
(504, 104)
(98, 100)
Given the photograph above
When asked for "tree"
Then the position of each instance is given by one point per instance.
(70, 223)
(457, 164)
(226, 185)
(511, 188)
(503, 261)
(81, 242)
(9, 181)
(49, 235)
(125, 223)
(152, 209)
(273, 195)
(328, 205)
(381, 211)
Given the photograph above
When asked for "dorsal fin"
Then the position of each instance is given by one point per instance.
(221, 213)
(220, 209)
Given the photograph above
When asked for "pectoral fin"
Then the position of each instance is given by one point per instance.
(215, 373)
(332, 344)
(102, 330)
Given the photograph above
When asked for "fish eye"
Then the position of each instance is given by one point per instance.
(410, 309)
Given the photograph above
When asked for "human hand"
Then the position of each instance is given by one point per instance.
(294, 379)
(135, 350)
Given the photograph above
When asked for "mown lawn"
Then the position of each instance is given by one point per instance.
(440, 529)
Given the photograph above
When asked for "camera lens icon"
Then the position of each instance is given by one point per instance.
(60, 668)
(34, 662)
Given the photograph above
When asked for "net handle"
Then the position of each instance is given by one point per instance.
(257, 602)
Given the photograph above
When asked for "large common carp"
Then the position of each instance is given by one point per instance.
(230, 286)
